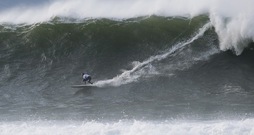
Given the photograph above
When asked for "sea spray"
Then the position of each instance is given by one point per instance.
(137, 71)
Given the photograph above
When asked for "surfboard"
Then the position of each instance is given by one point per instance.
(83, 86)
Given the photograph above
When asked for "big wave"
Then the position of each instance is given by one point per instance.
(233, 20)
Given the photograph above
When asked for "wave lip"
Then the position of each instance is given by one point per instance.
(43, 12)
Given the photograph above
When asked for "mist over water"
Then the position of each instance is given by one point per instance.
(159, 67)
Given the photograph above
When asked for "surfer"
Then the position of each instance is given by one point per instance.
(86, 77)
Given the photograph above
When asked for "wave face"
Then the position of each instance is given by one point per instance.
(156, 71)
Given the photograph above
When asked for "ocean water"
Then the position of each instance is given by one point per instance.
(159, 67)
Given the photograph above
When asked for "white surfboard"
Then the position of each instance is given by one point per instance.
(83, 86)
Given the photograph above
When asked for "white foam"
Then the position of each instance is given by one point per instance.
(101, 9)
(223, 127)
(233, 22)
(140, 68)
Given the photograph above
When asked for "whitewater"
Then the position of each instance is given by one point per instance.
(159, 66)
(130, 128)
